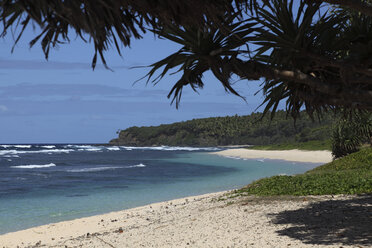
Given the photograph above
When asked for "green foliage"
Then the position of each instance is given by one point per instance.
(193, 58)
(287, 32)
(350, 133)
(357, 160)
(254, 129)
(351, 174)
(312, 145)
(342, 182)
(308, 57)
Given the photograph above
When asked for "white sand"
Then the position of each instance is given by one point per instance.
(289, 155)
(205, 221)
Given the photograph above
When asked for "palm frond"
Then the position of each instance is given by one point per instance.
(204, 48)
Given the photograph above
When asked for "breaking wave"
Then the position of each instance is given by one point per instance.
(105, 168)
(136, 166)
(33, 166)
(15, 152)
(16, 146)
(49, 147)
(93, 149)
(85, 148)
(94, 169)
(171, 148)
(114, 148)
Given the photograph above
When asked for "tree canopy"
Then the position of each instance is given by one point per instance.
(253, 129)
(313, 54)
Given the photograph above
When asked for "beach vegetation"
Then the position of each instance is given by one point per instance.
(311, 145)
(350, 133)
(351, 174)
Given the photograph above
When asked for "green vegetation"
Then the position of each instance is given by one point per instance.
(349, 134)
(254, 129)
(312, 145)
(351, 174)
(361, 160)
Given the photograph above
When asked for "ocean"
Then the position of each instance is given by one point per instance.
(42, 184)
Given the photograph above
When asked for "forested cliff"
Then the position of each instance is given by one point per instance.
(229, 130)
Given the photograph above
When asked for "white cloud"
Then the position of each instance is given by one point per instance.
(30, 90)
(3, 108)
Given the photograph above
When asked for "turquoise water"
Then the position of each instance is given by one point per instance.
(46, 187)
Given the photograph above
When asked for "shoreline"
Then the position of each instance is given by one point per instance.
(52, 234)
(209, 220)
(294, 155)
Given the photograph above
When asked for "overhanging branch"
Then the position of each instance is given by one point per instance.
(356, 5)
(256, 70)
(325, 61)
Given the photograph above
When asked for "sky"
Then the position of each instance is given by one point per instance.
(63, 100)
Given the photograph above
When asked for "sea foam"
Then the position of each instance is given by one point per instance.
(33, 166)
(170, 148)
(104, 168)
(14, 152)
(22, 146)
(93, 149)
(16, 146)
(85, 148)
(114, 148)
(78, 146)
(94, 169)
(136, 166)
(48, 147)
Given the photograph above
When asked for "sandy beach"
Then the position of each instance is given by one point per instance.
(289, 155)
(214, 220)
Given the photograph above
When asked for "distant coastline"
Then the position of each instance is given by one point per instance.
(228, 131)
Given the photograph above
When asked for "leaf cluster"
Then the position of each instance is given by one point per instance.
(350, 133)
(107, 23)
(310, 56)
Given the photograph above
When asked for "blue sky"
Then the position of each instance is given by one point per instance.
(63, 101)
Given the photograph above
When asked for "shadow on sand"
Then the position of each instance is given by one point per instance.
(347, 222)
